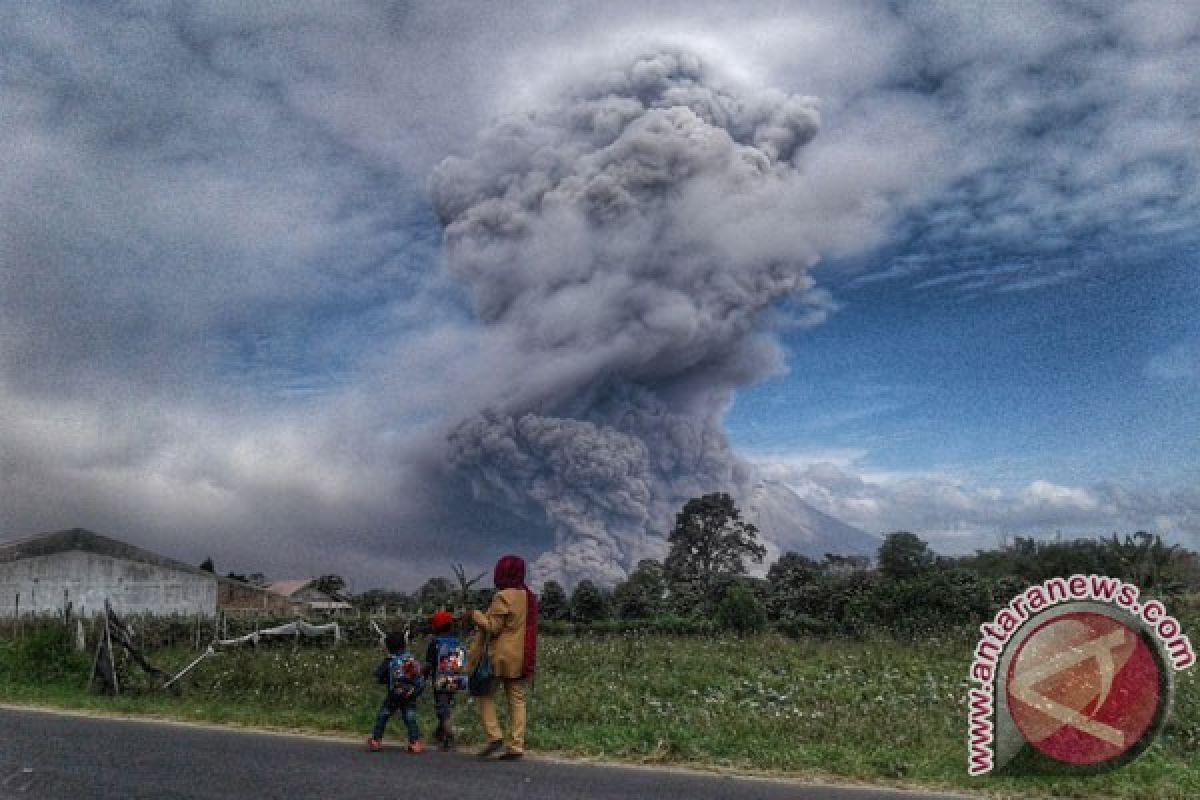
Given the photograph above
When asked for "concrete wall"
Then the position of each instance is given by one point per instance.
(89, 578)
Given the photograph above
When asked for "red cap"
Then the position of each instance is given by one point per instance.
(441, 620)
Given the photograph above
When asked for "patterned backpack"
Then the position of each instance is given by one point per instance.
(450, 668)
(404, 676)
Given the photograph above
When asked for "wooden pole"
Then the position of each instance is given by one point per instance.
(112, 663)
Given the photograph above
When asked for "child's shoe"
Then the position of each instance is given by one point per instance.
(415, 747)
(374, 745)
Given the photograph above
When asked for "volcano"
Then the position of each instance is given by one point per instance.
(788, 524)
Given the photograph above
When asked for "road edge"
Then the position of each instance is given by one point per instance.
(547, 756)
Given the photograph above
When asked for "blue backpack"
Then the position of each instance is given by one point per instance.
(404, 676)
(450, 668)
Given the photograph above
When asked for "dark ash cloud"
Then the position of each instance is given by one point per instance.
(628, 241)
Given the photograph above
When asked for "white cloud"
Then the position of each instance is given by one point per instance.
(956, 514)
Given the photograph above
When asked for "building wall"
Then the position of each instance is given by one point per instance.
(89, 578)
(236, 597)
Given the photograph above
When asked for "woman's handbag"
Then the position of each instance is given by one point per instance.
(479, 682)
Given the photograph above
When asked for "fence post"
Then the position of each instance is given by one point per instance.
(112, 662)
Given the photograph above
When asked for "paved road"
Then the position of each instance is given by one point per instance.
(59, 756)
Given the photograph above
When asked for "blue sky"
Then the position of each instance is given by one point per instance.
(229, 325)
(959, 377)
(1077, 381)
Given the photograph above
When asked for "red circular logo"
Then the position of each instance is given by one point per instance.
(1084, 688)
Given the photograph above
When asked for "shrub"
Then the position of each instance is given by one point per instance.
(741, 612)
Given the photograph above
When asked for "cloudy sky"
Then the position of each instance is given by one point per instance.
(244, 296)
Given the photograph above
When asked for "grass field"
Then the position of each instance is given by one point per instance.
(880, 711)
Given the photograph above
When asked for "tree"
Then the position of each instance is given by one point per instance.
(1144, 559)
(792, 569)
(709, 543)
(435, 593)
(465, 585)
(553, 603)
(331, 585)
(641, 595)
(904, 555)
(588, 603)
(788, 581)
(207, 565)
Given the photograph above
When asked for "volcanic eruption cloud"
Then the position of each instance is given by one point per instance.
(625, 244)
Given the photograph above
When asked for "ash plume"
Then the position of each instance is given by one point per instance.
(625, 243)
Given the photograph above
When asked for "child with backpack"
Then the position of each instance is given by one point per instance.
(446, 663)
(401, 673)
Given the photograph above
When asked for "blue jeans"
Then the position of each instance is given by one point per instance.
(408, 712)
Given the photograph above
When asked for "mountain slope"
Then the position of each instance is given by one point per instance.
(787, 523)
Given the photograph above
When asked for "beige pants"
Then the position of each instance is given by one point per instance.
(514, 693)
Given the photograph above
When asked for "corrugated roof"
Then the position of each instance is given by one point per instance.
(45, 544)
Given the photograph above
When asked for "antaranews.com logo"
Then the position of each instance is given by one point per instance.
(1075, 674)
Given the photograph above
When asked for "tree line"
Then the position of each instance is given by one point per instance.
(703, 585)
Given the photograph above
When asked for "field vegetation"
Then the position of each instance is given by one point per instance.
(873, 708)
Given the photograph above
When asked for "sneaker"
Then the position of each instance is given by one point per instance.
(492, 748)
(511, 756)
(415, 747)
(374, 745)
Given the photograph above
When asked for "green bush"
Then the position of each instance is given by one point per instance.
(741, 612)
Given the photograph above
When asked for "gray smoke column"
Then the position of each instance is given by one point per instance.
(624, 242)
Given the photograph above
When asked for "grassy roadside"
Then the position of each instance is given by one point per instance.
(876, 711)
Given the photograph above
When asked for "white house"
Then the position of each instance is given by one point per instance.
(42, 573)
(304, 591)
